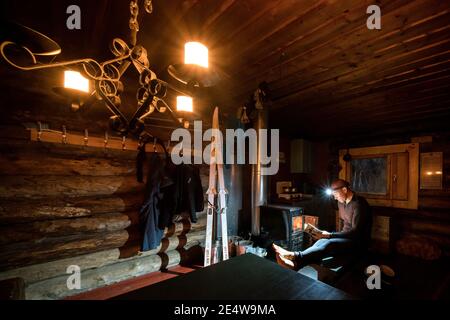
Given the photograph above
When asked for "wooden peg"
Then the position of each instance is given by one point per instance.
(64, 135)
(86, 137)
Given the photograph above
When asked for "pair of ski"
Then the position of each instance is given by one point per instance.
(219, 211)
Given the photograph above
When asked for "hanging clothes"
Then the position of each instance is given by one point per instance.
(149, 213)
(170, 190)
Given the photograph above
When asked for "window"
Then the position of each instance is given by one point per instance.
(384, 175)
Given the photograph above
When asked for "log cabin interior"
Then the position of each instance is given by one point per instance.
(94, 205)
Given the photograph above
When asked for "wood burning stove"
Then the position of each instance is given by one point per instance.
(283, 225)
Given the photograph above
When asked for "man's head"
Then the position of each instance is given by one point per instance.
(340, 190)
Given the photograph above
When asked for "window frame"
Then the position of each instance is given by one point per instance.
(381, 151)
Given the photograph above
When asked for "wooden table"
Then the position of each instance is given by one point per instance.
(244, 277)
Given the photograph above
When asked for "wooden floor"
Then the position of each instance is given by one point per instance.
(132, 284)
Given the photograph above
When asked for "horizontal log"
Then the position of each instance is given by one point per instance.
(434, 202)
(43, 249)
(434, 193)
(28, 253)
(39, 231)
(42, 271)
(428, 214)
(133, 247)
(42, 164)
(57, 186)
(29, 210)
(427, 227)
(442, 241)
(56, 288)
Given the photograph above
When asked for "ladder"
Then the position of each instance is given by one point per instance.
(219, 211)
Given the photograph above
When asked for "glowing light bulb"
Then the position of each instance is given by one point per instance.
(74, 80)
(328, 192)
(196, 53)
(184, 103)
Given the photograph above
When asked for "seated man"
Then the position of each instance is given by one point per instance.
(354, 214)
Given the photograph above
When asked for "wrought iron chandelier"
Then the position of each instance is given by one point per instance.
(106, 76)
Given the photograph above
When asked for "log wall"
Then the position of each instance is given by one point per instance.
(63, 205)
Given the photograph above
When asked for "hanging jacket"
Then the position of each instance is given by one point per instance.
(150, 210)
(170, 190)
(191, 191)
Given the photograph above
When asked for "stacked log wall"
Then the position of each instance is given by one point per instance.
(63, 205)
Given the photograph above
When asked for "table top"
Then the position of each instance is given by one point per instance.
(246, 277)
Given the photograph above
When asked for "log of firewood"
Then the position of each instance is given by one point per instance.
(66, 186)
(27, 253)
(39, 272)
(56, 288)
(26, 210)
(38, 231)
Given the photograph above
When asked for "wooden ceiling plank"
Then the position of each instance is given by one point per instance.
(380, 79)
(386, 96)
(350, 25)
(237, 18)
(394, 22)
(322, 22)
(256, 35)
(368, 59)
(354, 83)
(427, 35)
(369, 98)
(300, 93)
(430, 104)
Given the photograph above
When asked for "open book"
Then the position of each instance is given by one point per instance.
(309, 228)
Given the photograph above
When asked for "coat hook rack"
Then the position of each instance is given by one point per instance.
(40, 133)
